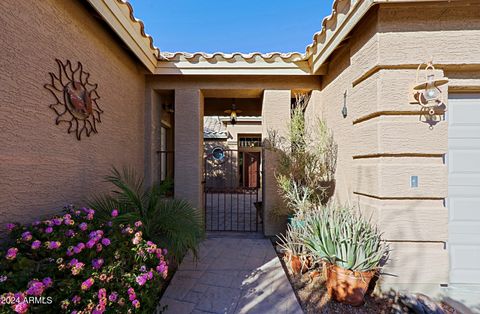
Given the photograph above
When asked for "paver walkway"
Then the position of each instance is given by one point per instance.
(232, 275)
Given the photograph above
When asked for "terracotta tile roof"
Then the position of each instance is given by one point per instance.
(213, 127)
(232, 57)
(318, 38)
(140, 26)
(328, 20)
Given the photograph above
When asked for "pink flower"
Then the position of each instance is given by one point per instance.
(87, 284)
(106, 241)
(91, 243)
(138, 224)
(131, 294)
(36, 244)
(10, 227)
(83, 226)
(136, 303)
(99, 247)
(102, 293)
(115, 213)
(47, 281)
(53, 245)
(113, 297)
(35, 288)
(11, 253)
(90, 214)
(76, 299)
(26, 236)
(49, 230)
(57, 221)
(73, 262)
(69, 233)
(141, 280)
(21, 307)
(97, 263)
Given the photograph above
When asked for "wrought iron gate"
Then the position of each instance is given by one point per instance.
(232, 190)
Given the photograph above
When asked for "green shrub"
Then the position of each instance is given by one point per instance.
(77, 263)
(173, 223)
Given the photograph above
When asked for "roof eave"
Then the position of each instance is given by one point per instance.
(321, 52)
(119, 16)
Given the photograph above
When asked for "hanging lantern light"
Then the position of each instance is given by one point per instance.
(429, 96)
(233, 113)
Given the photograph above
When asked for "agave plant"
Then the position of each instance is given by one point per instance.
(292, 244)
(341, 237)
(169, 222)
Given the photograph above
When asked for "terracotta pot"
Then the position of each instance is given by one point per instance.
(295, 264)
(347, 286)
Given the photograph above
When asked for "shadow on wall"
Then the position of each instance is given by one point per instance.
(221, 166)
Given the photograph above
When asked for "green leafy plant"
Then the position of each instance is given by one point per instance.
(341, 237)
(170, 222)
(307, 159)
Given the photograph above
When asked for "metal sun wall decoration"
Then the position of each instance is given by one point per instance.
(76, 99)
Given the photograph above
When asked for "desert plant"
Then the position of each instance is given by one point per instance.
(341, 237)
(173, 223)
(307, 159)
(296, 255)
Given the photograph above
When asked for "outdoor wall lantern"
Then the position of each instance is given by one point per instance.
(428, 95)
(344, 109)
(233, 113)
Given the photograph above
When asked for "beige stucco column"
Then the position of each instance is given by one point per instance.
(275, 117)
(152, 138)
(188, 146)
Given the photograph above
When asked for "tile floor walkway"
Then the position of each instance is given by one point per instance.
(235, 274)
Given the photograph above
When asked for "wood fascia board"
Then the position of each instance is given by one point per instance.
(346, 26)
(122, 26)
(186, 68)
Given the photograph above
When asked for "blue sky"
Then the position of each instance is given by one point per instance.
(232, 26)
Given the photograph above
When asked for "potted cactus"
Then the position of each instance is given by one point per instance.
(350, 246)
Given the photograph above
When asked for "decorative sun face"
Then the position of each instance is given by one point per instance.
(76, 99)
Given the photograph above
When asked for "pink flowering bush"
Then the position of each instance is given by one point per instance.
(76, 264)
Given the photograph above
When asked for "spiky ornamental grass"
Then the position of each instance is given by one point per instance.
(341, 237)
(170, 222)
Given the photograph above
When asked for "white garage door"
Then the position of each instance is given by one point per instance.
(464, 187)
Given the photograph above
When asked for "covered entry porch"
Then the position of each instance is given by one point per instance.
(191, 98)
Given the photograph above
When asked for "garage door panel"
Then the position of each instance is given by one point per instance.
(463, 184)
(464, 161)
(464, 187)
(463, 209)
(465, 257)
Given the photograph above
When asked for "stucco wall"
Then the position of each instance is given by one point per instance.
(381, 145)
(41, 166)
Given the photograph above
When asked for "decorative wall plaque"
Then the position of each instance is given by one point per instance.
(76, 99)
